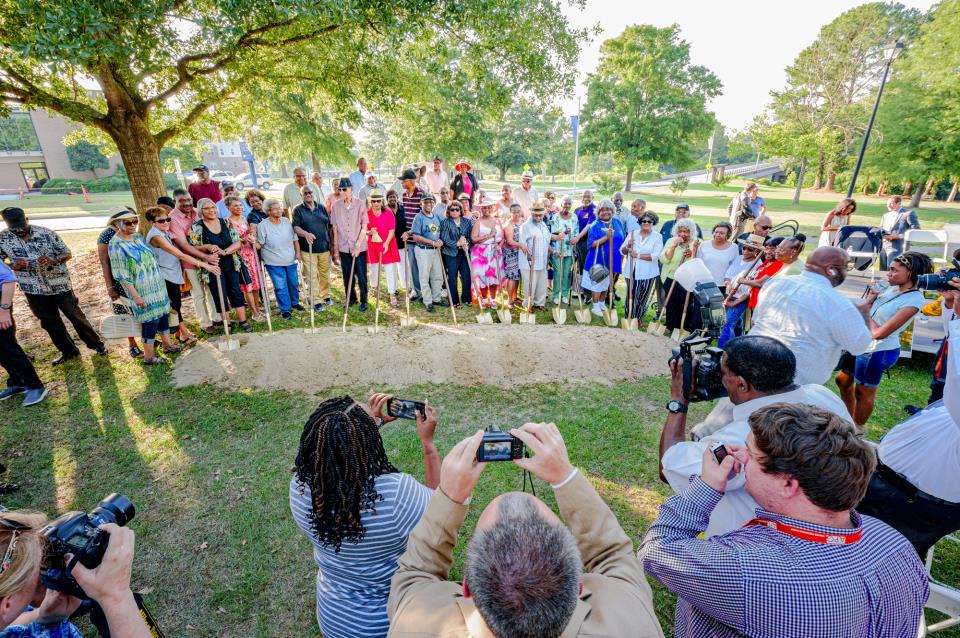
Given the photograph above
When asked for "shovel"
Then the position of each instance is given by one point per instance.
(348, 290)
(528, 317)
(313, 322)
(656, 326)
(503, 313)
(559, 312)
(263, 289)
(376, 300)
(610, 314)
(582, 315)
(482, 317)
(453, 310)
(629, 322)
(408, 321)
(679, 333)
(227, 342)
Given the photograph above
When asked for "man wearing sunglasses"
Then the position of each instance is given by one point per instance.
(38, 257)
(762, 226)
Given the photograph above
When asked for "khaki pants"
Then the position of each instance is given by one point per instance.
(320, 263)
(207, 313)
(539, 294)
(431, 275)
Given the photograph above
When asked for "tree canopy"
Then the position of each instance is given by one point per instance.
(646, 101)
(84, 156)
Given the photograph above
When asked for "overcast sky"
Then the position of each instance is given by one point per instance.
(747, 44)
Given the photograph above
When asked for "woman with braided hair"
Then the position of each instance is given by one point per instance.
(357, 509)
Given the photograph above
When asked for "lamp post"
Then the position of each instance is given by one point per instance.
(890, 53)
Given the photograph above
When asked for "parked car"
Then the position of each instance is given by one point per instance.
(243, 180)
(221, 176)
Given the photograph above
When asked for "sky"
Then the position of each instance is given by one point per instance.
(747, 44)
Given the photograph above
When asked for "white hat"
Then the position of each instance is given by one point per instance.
(526, 175)
(369, 173)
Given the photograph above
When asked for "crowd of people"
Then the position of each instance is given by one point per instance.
(785, 521)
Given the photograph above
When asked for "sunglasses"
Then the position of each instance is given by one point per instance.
(130, 222)
(454, 209)
(646, 221)
(16, 528)
(764, 227)
(161, 221)
(343, 190)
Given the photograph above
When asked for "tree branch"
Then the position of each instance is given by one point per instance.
(192, 115)
(24, 91)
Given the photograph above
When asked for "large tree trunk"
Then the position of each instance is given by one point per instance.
(821, 167)
(314, 162)
(831, 181)
(629, 179)
(141, 159)
(917, 194)
(907, 189)
(503, 173)
(800, 174)
(882, 189)
(953, 191)
(816, 182)
(866, 186)
(931, 184)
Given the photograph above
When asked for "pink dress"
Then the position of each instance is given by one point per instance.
(383, 224)
(247, 253)
(485, 258)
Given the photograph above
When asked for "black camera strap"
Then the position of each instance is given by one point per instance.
(528, 476)
(100, 621)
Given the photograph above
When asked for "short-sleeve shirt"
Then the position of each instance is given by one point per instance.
(586, 215)
(526, 198)
(756, 205)
(210, 190)
(436, 181)
(104, 240)
(315, 221)
(277, 240)
(348, 220)
(169, 265)
(888, 304)
(411, 204)
(6, 275)
(383, 223)
(426, 227)
(179, 228)
(36, 279)
(292, 197)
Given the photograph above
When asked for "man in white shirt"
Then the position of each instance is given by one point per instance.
(757, 371)
(535, 235)
(526, 195)
(291, 192)
(368, 188)
(811, 318)
(620, 211)
(915, 488)
(437, 178)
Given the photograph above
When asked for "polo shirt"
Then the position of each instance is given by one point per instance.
(410, 202)
(348, 220)
(315, 221)
(210, 190)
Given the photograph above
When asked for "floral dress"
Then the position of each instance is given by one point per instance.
(484, 257)
(133, 262)
(197, 237)
(511, 258)
(248, 253)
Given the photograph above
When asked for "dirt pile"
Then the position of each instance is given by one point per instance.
(471, 354)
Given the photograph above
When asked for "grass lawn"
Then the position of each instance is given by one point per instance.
(208, 470)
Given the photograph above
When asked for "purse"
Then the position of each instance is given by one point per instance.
(598, 272)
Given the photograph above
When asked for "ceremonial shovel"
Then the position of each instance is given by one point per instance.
(559, 313)
(679, 333)
(408, 321)
(376, 300)
(503, 313)
(263, 288)
(656, 326)
(528, 316)
(443, 269)
(226, 342)
(628, 322)
(313, 324)
(610, 314)
(581, 315)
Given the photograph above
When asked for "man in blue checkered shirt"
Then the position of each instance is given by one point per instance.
(808, 565)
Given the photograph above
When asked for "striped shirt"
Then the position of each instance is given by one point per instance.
(353, 586)
(757, 581)
(410, 203)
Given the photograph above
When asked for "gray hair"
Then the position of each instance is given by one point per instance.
(203, 202)
(229, 199)
(608, 204)
(270, 203)
(567, 200)
(642, 202)
(687, 223)
(524, 572)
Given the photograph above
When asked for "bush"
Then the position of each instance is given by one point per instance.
(59, 184)
(719, 181)
(679, 184)
(607, 182)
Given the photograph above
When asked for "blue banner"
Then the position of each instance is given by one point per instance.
(575, 123)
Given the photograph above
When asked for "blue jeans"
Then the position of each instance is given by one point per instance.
(734, 324)
(284, 279)
(149, 329)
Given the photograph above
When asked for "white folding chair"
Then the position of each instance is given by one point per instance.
(943, 598)
(932, 243)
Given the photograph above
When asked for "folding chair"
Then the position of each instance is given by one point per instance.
(932, 243)
(943, 598)
(862, 244)
(788, 228)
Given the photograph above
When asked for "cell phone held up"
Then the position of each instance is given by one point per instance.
(720, 452)
(499, 446)
(405, 408)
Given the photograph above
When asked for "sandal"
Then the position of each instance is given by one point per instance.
(189, 341)
(156, 361)
(172, 349)
(210, 330)
(135, 352)
(246, 327)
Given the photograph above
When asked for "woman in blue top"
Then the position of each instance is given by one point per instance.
(892, 308)
(600, 233)
(357, 509)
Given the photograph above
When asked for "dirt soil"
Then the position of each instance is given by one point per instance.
(471, 354)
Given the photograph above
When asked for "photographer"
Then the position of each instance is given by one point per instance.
(357, 509)
(524, 570)
(915, 488)
(805, 564)
(756, 371)
(21, 554)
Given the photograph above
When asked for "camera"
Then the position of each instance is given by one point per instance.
(708, 384)
(939, 280)
(78, 534)
(499, 446)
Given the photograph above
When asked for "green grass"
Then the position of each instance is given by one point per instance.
(208, 470)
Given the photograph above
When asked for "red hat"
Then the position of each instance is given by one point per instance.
(460, 163)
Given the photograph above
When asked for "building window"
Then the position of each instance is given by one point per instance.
(34, 173)
(17, 133)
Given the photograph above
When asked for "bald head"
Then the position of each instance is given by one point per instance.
(762, 225)
(829, 261)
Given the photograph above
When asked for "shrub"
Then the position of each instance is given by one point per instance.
(679, 184)
(607, 182)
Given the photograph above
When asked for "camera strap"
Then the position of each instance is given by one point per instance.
(99, 620)
(528, 476)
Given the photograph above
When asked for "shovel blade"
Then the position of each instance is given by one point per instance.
(610, 318)
(506, 317)
(656, 328)
(484, 317)
(559, 316)
(583, 316)
(528, 317)
(679, 335)
(226, 345)
(408, 322)
(628, 324)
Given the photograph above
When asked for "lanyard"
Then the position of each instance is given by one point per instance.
(848, 538)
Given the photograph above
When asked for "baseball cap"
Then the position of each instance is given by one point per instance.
(202, 167)
(683, 206)
(408, 174)
(437, 158)
(344, 183)
(428, 197)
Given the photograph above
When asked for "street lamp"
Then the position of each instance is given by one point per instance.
(890, 53)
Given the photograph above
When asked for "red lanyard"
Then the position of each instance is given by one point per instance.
(808, 534)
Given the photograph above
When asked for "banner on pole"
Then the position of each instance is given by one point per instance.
(575, 123)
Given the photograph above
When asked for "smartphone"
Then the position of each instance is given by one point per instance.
(719, 452)
(405, 408)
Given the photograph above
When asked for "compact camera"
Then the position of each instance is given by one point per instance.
(939, 280)
(499, 446)
(78, 534)
(708, 384)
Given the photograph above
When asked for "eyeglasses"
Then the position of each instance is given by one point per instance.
(764, 227)
(646, 221)
(130, 222)
(8, 555)
(161, 221)
(342, 190)
(453, 209)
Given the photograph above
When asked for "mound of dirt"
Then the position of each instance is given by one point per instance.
(470, 354)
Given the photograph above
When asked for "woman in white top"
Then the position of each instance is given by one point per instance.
(719, 253)
(643, 249)
(835, 220)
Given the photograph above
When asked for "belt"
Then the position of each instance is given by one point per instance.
(900, 482)
(422, 247)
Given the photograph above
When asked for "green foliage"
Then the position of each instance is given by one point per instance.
(17, 133)
(719, 180)
(188, 155)
(607, 182)
(85, 156)
(679, 184)
(528, 134)
(646, 102)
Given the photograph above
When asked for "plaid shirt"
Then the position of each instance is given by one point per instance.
(36, 279)
(757, 581)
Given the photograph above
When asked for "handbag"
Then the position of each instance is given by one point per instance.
(120, 326)
(598, 272)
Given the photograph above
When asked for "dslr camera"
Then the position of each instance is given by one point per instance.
(707, 383)
(78, 534)
(939, 280)
(499, 446)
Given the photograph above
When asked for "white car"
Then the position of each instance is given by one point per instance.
(243, 180)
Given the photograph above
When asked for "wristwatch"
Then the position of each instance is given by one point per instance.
(6, 306)
(676, 407)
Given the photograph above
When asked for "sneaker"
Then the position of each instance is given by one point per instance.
(11, 391)
(34, 396)
(64, 358)
(430, 307)
(135, 352)
(298, 307)
(363, 307)
(285, 315)
(329, 302)
(102, 350)
(318, 307)
(597, 311)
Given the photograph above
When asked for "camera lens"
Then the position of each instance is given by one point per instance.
(116, 508)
